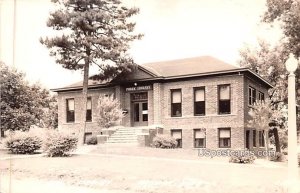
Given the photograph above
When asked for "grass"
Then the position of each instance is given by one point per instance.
(147, 174)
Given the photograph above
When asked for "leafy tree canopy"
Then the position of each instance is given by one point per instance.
(92, 32)
(287, 12)
(269, 62)
(22, 104)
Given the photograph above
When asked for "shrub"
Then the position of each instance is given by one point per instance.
(242, 156)
(92, 140)
(278, 157)
(164, 141)
(23, 142)
(59, 144)
(109, 112)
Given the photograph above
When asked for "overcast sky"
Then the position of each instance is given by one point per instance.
(173, 29)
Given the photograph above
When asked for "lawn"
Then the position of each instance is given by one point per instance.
(136, 171)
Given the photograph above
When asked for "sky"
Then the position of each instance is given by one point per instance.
(172, 29)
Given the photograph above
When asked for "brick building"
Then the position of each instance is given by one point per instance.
(202, 102)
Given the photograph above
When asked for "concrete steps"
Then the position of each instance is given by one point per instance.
(126, 135)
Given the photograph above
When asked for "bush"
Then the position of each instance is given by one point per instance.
(164, 141)
(242, 156)
(278, 157)
(23, 142)
(59, 144)
(92, 140)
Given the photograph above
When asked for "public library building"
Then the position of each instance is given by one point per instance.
(202, 102)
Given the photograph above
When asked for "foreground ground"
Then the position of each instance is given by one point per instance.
(135, 170)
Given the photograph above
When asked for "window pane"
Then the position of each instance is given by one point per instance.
(89, 104)
(224, 142)
(88, 115)
(136, 116)
(224, 92)
(71, 104)
(200, 143)
(176, 96)
(70, 116)
(224, 106)
(261, 96)
(199, 95)
(145, 111)
(179, 143)
(176, 109)
(224, 133)
(200, 108)
(199, 134)
(176, 134)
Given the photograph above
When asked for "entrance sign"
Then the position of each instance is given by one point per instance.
(139, 96)
(139, 88)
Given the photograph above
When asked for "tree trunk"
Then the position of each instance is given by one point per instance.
(82, 128)
(1, 133)
(276, 138)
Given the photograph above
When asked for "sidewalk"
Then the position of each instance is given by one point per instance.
(31, 185)
(137, 152)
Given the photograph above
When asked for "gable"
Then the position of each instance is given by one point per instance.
(139, 74)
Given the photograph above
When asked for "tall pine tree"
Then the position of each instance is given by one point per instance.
(92, 32)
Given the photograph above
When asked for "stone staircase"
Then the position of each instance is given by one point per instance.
(124, 135)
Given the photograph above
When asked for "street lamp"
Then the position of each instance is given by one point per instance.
(291, 66)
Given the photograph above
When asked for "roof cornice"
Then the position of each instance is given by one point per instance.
(161, 78)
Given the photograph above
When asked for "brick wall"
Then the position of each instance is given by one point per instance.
(212, 120)
(77, 95)
(159, 108)
(259, 88)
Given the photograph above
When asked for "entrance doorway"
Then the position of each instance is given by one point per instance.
(139, 107)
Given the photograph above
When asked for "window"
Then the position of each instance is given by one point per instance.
(199, 138)
(136, 112)
(261, 96)
(252, 96)
(145, 111)
(261, 139)
(199, 101)
(177, 134)
(70, 110)
(254, 138)
(224, 137)
(224, 99)
(87, 136)
(176, 103)
(89, 109)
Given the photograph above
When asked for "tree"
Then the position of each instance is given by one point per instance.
(268, 62)
(108, 112)
(286, 12)
(262, 114)
(93, 32)
(22, 104)
(50, 119)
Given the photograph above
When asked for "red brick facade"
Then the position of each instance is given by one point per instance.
(159, 108)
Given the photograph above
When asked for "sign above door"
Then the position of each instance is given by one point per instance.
(138, 88)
